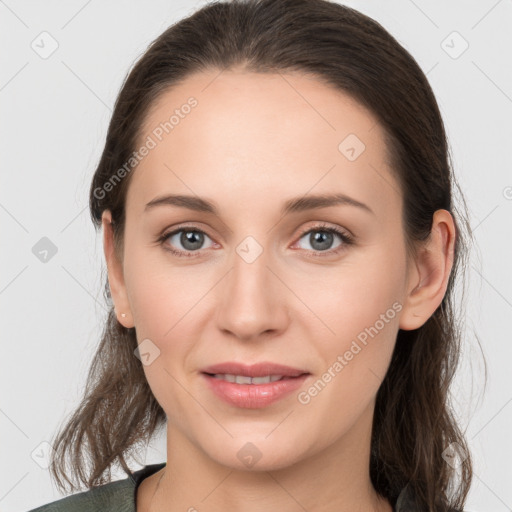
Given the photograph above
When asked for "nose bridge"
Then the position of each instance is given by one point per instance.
(250, 272)
(251, 300)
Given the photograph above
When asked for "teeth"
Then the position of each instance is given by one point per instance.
(242, 379)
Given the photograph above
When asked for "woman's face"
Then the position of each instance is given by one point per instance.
(255, 283)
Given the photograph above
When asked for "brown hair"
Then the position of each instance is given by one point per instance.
(413, 423)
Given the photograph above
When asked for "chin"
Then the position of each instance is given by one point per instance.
(257, 454)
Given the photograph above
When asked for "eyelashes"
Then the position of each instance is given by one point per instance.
(346, 240)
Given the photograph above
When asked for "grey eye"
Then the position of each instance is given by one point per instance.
(320, 239)
(190, 239)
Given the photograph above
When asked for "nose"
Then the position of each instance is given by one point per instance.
(253, 301)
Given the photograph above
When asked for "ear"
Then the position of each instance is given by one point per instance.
(115, 273)
(429, 273)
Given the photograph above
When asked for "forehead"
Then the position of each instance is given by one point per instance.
(278, 134)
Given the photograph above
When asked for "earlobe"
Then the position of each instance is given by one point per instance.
(430, 273)
(115, 274)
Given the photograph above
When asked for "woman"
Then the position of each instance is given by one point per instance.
(275, 194)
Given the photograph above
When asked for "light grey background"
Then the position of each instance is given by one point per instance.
(54, 117)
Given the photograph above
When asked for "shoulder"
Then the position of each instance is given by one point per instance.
(118, 496)
(114, 496)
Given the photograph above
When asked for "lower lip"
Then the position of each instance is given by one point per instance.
(253, 396)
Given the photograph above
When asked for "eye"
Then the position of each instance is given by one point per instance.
(321, 239)
(190, 238)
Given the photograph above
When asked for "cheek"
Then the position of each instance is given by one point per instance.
(166, 308)
(360, 310)
(356, 354)
(159, 294)
(167, 304)
(356, 298)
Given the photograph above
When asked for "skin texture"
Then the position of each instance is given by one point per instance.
(252, 142)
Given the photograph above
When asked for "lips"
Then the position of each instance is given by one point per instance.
(261, 369)
(252, 396)
(253, 386)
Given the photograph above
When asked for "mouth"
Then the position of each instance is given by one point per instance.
(248, 392)
(245, 379)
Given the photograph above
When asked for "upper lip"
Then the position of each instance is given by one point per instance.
(254, 370)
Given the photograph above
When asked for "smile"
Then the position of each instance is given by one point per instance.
(243, 379)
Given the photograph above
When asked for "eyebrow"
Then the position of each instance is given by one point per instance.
(297, 204)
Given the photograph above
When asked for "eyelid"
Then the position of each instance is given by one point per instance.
(328, 227)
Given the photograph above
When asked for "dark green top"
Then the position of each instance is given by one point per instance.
(120, 496)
